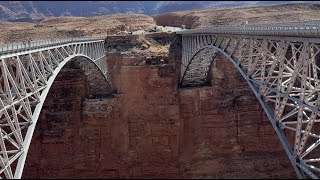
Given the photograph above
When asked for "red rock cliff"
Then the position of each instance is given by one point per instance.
(153, 129)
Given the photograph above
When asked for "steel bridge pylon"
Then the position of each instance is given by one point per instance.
(27, 73)
(281, 64)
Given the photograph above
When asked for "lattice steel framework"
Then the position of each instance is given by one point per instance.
(27, 72)
(283, 73)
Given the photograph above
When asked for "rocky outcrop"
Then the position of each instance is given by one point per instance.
(239, 15)
(177, 19)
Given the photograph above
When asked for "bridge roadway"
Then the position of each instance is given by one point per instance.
(281, 64)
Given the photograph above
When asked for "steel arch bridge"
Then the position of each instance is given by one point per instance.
(27, 73)
(281, 64)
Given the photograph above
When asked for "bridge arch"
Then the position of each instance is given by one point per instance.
(25, 82)
(244, 60)
(38, 108)
(204, 64)
(261, 100)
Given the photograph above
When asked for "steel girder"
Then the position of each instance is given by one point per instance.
(283, 73)
(25, 79)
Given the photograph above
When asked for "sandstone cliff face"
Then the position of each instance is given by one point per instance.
(153, 129)
(225, 131)
(177, 19)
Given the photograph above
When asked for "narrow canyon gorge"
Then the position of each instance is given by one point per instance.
(151, 128)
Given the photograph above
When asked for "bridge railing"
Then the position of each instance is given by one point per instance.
(307, 29)
(30, 45)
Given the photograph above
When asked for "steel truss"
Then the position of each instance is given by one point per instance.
(27, 74)
(283, 73)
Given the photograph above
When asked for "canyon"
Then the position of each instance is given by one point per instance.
(106, 25)
(151, 128)
(145, 125)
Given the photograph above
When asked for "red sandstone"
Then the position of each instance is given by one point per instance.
(153, 129)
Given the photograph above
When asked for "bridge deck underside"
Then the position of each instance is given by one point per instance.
(197, 71)
(283, 71)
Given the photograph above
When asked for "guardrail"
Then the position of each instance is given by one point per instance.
(302, 29)
(30, 45)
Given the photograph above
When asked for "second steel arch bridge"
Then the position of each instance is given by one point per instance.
(281, 64)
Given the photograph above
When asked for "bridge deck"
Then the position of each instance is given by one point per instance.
(33, 45)
(304, 29)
